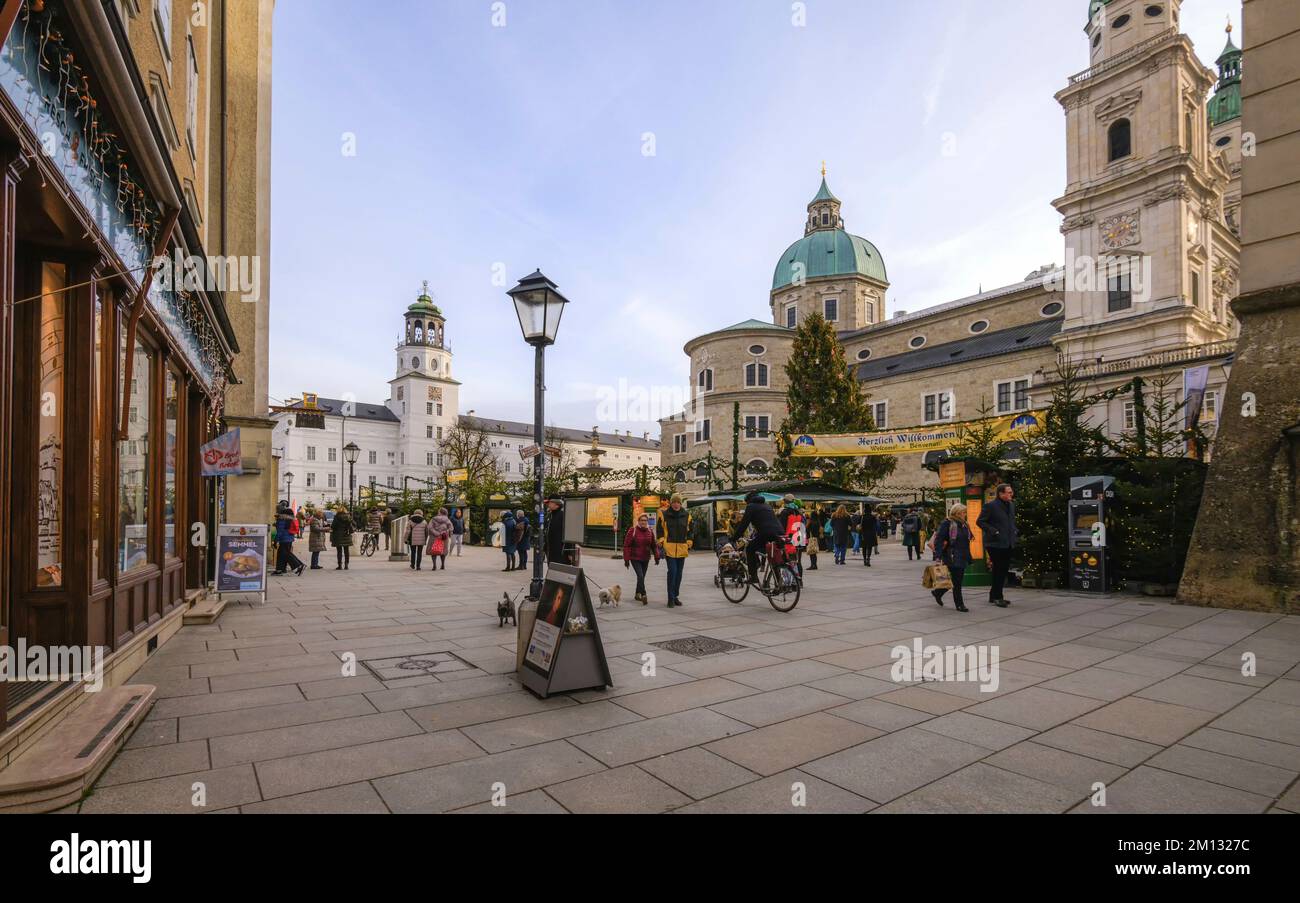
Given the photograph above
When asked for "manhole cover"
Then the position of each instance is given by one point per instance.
(434, 663)
(696, 646)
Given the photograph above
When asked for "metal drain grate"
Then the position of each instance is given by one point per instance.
(424, 663)
(697, 646)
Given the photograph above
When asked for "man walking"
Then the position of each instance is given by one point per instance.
(675, 542)
(998, 521)
(555, 532)
(912, 534)
(457, 530)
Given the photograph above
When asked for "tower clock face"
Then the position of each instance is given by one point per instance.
(1120, 231)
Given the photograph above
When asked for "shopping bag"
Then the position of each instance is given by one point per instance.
(936, 576)
(438, 545)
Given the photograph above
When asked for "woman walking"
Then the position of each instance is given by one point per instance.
(840, 524)
(523, 533)
(912, 534)
(457, 530)
(638, 547)
(417, 534)
(508, 539)
(675, 543)
(284, 533)
(341, 537)
(796, 527)
(952, 546)
(316, 539)
(440, 530)
(814, 536)
(870, 536)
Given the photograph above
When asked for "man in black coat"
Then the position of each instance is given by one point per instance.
(767, 528)
(555, 532)
(998, 521)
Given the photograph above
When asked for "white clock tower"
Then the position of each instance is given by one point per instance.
(425, 397)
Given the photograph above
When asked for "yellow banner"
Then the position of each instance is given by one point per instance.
(904, 441)
(458, 475)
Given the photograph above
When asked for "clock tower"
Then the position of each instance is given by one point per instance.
(425, 397)
(1143, 217)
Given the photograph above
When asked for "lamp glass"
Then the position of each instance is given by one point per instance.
(350, 452)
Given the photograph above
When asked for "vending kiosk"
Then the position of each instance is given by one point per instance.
(1092, 502)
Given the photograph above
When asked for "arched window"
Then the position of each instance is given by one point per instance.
(756, 468)
(756, 375)
(702, 471)
(933, 457)
(680, 476)
(1121, 140)
(419, 332)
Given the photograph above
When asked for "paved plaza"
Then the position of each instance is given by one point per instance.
(1138, 695)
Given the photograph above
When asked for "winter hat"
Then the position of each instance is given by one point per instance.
(419, 512)
(677, 497)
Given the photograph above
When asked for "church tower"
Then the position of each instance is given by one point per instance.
(1142, 212)
(424, 396)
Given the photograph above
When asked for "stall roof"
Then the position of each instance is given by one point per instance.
(803, 490)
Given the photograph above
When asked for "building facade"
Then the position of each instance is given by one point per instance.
(112, 374)
(404, 440)
(1150, 219)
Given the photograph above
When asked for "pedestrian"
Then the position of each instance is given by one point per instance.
(316, 543)
(386, 523)
(523, 533)
(285, 559)
(893, 524)
(796, 527)
(439, 538)
(998, 523)
(417, 534)
(639, 547)
(457, 530)
(814, 530)
(870, 535)
(508, 539)
(555, 532)
(952, 542)
(911, 527)
(855, 530)
(840, 524)
(674, 532)
(341, 537)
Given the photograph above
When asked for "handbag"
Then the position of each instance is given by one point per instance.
(438, 545)
(936, 576)
(813, 546)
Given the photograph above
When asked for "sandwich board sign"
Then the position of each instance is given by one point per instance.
(564, 651)
(241, 558)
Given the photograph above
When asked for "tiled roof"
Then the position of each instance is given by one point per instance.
(992, 344)
(361, 410)
(525, 430)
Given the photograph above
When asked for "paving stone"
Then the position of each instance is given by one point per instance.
(482, 709)
(218, 724)
(854, 686)
(983, 732)
(1151, 790)
(1231, 771)
(329, 768)
(981, 788)
(1035, 707)
(1290, 801)
(1071, 771)
(175, 795)
(1199, 693)
(617, 791)
(1070, 655)
(436, 692)
(534, 802)
(730, 663)
(350, 799)
(895, 764)
(778, 705)
(1146, 719)
(225, 702)
(859, 658)
(553, 724)
(678, 698)
(340, 686)
(460, 784)
(697, 772)
(277, 743)
(1098, 745)
(882, 715)
(1100, 683)
(778, 794)
(153, 733)
(156, 762)
(926, 699)
(788, 674)
(1243, 746)
(778, 747)
(656, 736)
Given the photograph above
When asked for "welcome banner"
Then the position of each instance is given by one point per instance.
(904, 441)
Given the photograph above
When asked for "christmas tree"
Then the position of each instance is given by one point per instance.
(980, 440)
(824, 396)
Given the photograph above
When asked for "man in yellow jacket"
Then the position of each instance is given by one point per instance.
(674, 531)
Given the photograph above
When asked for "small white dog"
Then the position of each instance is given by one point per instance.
(611, 596)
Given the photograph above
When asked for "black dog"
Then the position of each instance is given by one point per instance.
(506, 609)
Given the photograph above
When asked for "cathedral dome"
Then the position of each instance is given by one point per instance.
(829, 252)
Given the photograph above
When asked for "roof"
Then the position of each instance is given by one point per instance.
(992, 344)
(754, 324)
(824, 194)
(803, 490)
(361, 410)
(516, 428)
(829, 252)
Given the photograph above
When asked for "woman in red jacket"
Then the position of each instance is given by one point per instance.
(638, 547)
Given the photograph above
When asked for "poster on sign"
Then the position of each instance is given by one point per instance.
(223, 456)
(241, 558)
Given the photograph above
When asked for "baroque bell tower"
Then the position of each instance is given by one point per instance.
(1143, 215)
(424, 396)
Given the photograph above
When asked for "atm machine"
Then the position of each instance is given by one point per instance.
(1092, 501)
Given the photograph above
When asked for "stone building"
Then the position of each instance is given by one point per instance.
(1151, 231)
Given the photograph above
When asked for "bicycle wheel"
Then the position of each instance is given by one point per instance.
(783, 587)
(736, 587)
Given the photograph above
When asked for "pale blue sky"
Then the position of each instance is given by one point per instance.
(523, 146)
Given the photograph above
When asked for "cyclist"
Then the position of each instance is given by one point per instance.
(374, 523)
(767, 528)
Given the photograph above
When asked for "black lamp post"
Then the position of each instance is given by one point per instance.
(288, 487)
(539, 305)
(350, 453)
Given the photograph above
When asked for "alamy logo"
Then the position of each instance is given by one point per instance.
(103, 857)
(973, 664)
(41, 664)
(191, 273)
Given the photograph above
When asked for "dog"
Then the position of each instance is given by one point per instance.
(610, 596)
(506, 610)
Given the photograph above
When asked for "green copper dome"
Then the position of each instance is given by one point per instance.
(1095, 5)
(1225, 105)
(829, 252)
(424, 304)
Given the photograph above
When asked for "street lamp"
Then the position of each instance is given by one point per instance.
(350, 453)
(288, 483)
(539, 306)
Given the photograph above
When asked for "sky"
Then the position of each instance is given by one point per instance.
(654, 159)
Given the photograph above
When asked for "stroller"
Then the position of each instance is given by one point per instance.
(731, 560)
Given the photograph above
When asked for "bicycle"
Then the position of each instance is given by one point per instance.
(778, 580)
(369, 544)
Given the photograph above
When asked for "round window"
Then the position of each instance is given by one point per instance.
(1154, 10)
(917, 341)
(864, 354)
(757, 349)
(1121, 21)
(979, 326)
(1224, 141)
(1052, 309)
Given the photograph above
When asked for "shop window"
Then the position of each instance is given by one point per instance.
(134, 466)
(50, 398)
(100, 415)
(171, 461)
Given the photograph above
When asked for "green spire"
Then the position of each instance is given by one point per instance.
(1225, 105)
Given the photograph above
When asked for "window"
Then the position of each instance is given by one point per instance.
(50, 396)
(706, 380)
(333, 481)
(757, 426)
(703, 430)
(1210, 407)
(1051, 309)
(401, 393)
(428, 407)
(439, 433)
(938, 406)
(440, 459)
(1130, 415)
(134, 501)
(1189, 131)
(1224, 141)
(428, 459)
(1196, 289)
(192, 100)
(679, 444)
(392, 482)
(1012, 395)
(311, 479)
(832, 308)
(311, 453)
(171, 460)
(917, 341)
(756, 467)
(702, 471)
(756, 375)
(507, 467)
(757, 350)
(826, 218)
(1119, 294)
(415, 363)
(428, 432)
(1121, 21)
(791, 314)
(864, 354)
(333, 454)
(439, 410)
(1121, 140)
(162, 17)
(374, 457)
(934, 457)
(1153, 11)
(979, 326)
(880, 414)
